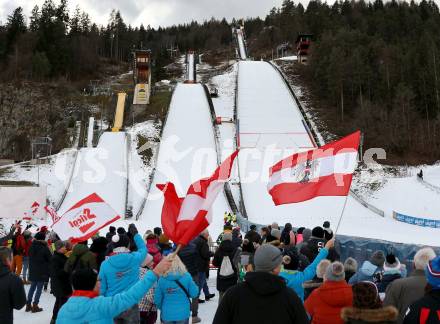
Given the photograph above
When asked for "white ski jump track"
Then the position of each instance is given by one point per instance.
(269, 120)
(241, 45)
(100, 170)
(190, 68)
(187, 153)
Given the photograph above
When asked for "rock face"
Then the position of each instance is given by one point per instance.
(29, 110)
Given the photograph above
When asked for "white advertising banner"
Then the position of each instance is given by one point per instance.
(24, 203)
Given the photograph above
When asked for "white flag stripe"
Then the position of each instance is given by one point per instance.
(341, 163)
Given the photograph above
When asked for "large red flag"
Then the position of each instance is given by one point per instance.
(85, 219)
(184, 218)
(326, 171)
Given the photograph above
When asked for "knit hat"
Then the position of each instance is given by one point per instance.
(377, 258)
(266, 258)
(307, 233)
(326, 224)
(121, 230)
(335, 272)
(112, 229)
(227, 236)
(59, 244)
(317, 232)
(40, 236)
(84, 279)
(365, 295)
(321, 269)
(350, 265)
(391, 263)
(275, 225)
(300, 230)
(275, 233)
(328, 234)
(291, 259)
(253, 227)
(432, 273)
(120, 240)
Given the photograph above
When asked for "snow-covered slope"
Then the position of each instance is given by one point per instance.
(187, 153)
(271, 128)
(101, 170)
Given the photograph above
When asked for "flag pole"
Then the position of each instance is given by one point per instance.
(342, 214)
(177, 251)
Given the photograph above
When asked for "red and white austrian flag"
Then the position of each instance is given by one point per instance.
(326, 171)
(85, 219)
(184, 219)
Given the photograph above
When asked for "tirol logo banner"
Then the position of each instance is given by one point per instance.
(85, 219)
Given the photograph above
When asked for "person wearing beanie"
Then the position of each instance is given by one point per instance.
(59, 278)
(153, 248)
(247, 256)
(80, 258)
(318, 280)
(369, 269)
(99, 248)
(27, 244)
(294, 278)
(286, 235)
(39, 260)
(121, 270)
(367, 306)
(427, 309)
(226, 261)
(110, 234)
(12, 294)
(350, 267)
(264, 234)
(236, 238)
(87, 306)
(306, 234)
(325, 303)
(252, 235)
(311, 247)
(262, 290)
(401, 293)
(391, 271)
(274, 237)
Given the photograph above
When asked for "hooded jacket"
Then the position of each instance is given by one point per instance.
(12, 294)
(325, 303)
(383, 315)
(295, 279)
(121, 271)
(202, 253)
(59, 278)
(171, 299)
(253, 236)
(225, 250)
(387, 279)
(39, 260)
(365, 273)
(249, 302)
(102, 310)
(426, 308)
(81, 258)
(188, 256)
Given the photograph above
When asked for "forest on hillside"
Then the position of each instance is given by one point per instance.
(374, 65)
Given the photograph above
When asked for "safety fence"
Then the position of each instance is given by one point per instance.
(424, 222)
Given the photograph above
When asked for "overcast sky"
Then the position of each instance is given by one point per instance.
(155, 12)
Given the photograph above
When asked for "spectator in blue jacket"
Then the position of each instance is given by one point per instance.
(294, 278)
(369, 269)
(173, 293)
(121, 270)
(86, 306)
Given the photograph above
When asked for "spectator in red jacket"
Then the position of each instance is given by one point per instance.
(325, 303)
(18, 246)
(27, 244)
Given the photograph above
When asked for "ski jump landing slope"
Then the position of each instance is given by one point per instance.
(270, 127)
(100, 170)
(241, 44)
(187, 153)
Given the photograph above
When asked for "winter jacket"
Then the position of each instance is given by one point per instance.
(253, 236)
(18, 244)
(401, 293)
(295, 279)
(311, 285)
(312, 247)
(81, 258)
(348, 275)
(325, 303)
(383, 315)
(27, 246)
(262, 298)
(426, 310)
(102, 310)
(226, 249)
(365, 273)
(99, 248)
(189, 258)
(121, 271)
(39, 260)
(153, 249)
(12, 294)
(387, 279)
(171, 299)
(59, 278)
(109, 236)
(236, 238)
(203, 254)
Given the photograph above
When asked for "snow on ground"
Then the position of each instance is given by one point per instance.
(206, 310)
(101, 170)
(266, 113)
(53, 172)
(186, 154)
